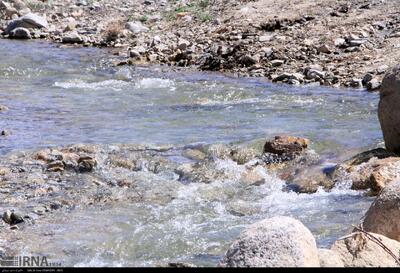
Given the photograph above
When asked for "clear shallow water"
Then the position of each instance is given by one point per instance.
(63, 96)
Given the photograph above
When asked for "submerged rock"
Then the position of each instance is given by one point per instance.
(357, 250)
(388, 109)
(310, 181)
(274, 242)
(383, 216)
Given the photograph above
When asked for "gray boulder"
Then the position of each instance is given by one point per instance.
(275, 242)
(388, 109)
(27, 21)
(329, 258)
(383, 216)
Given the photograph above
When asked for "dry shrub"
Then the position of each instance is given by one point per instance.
(112, 30)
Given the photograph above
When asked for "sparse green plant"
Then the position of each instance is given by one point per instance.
(143, 18)
(37, 5)
(198, 8)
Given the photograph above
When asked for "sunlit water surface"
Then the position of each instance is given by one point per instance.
(63, 96)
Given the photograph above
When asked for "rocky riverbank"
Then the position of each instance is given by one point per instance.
(334, 43)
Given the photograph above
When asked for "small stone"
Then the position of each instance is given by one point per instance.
(86, 163)
(367, 78)
(382, 69)
(9, 12)
(275, 63)
(339, 42)
(3, 108)
(252, 178)
(136, 27)
(373, 85)
(183, 44)
(314, 74)
(7, 216)
(357, 42)
(267, 51)
(16, 218)
(134, 54)
(55, 166)
(4, 133)
(324, 49)
(194, 154)
(265, 38)
(356, 83)
(72, 38)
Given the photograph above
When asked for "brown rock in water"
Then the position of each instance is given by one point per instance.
(358, 250)
(281, 145)
(389, 111)
(383, 216)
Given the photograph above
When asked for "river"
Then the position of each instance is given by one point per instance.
(59, 96)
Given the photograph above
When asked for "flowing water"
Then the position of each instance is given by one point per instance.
(63, 96)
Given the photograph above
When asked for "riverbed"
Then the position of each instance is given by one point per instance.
(61, 96)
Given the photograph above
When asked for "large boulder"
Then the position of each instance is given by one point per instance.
(383, 216)
(27, 21)
(388, 109)
(329, 258)
(275, 242)
(358, 250)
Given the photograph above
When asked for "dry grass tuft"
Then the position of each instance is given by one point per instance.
(112, 30)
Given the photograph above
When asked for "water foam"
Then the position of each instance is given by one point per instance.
(116, 85)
